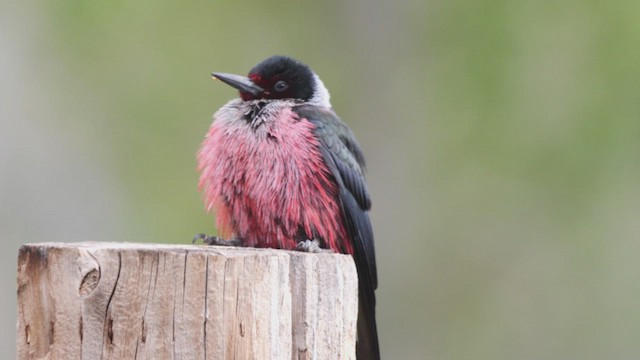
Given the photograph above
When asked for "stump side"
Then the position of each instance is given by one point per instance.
(152, 301)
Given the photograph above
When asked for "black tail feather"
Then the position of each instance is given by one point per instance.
(367, 345)
(359, 228)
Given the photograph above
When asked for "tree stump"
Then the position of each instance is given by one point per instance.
(150, 301)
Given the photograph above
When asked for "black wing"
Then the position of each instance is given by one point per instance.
(345, 160)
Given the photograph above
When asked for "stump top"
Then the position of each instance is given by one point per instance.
(175, 248)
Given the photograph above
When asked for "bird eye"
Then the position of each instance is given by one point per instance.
(281, 86)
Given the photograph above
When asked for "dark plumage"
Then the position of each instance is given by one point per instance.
(279, 167)
(346, 162)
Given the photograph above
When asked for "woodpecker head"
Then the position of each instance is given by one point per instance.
(279, 77)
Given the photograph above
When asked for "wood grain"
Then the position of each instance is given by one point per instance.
(150, 301)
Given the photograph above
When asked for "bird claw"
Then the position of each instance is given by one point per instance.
(198, 237)
(311, 246)
(214, 240)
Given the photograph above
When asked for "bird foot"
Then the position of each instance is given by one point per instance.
(311, 246)
(214, 240)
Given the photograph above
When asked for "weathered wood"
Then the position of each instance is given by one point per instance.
(149, 301)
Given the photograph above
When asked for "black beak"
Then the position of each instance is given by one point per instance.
(241, 83)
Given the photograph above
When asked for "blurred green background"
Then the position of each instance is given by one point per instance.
(502, 139)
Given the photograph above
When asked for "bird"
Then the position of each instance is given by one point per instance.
(280, 169)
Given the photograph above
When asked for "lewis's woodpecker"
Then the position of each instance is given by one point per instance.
(281, 170)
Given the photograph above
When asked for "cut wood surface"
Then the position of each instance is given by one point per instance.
(150, 301)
